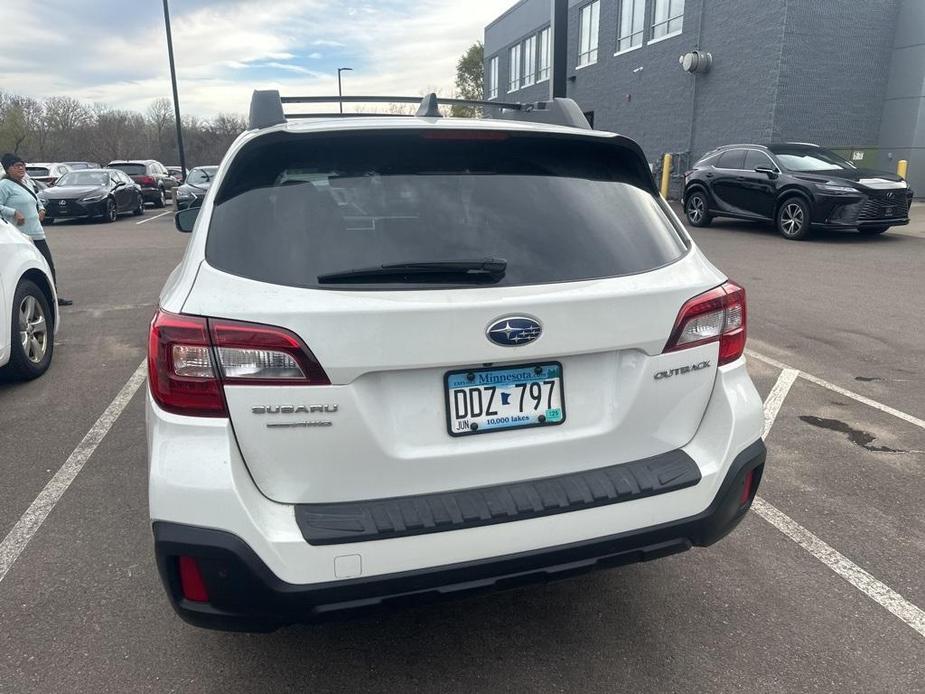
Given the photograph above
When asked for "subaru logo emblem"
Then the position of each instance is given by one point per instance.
(513, 331)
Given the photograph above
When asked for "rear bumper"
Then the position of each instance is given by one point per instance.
(244, 594)
(151, 194)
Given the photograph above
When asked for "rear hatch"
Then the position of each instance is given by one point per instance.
(564, 266)
(137, 172)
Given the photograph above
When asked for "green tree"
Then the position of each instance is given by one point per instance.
(470, 76)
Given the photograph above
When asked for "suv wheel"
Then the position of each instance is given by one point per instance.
(696, 210)
(140, 210)
(33, 333)
(161, 200)
(793, 219)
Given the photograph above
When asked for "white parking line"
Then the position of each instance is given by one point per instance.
(30, 521)
(844, 567)
(777, 396)
(876, 590)
(151, 219)
(842, 391)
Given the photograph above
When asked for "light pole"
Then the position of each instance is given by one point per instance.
(173, 81)
(340, 91)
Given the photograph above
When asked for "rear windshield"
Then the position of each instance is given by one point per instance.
(36, 171)
(556, 209)
(130, 169)
(201, 175)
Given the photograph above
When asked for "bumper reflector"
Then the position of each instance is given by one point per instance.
(747, 488)
(191, 583)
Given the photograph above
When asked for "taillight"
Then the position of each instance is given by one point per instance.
(181, 373)
(716, 315)
(189, 357)
(147, 180)
(257, 354)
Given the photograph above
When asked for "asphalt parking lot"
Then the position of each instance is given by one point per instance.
(820, 589)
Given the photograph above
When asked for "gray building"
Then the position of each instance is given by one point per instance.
(846, 74)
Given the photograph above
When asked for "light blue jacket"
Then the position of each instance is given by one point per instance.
(14, 199)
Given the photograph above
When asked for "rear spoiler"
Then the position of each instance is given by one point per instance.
(267, 108)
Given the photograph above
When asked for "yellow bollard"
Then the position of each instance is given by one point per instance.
(666, 174)
(901, 167)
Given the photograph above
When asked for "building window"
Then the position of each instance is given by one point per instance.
(587, 33)
(493, 78)
(530, 61)
(543, 72)
(632, 24)
(667, 19)
(514, 84)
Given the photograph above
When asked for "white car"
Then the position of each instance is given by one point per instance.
(28, 306)
(47, 172)
(414, 357)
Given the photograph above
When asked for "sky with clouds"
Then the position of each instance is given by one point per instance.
(115, 51)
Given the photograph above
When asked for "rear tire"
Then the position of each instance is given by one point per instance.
(793, 219)
(161, 201)
(696, 209)
(32, 328)
(872, 231)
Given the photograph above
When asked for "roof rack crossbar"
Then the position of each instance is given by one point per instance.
(513, 106)
(328, 114)
(267, 108)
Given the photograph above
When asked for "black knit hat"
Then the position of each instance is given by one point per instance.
(10, 159)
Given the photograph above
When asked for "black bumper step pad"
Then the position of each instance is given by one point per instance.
(379, 519)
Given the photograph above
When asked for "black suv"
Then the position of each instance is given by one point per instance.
(150, 175)
(800, 187)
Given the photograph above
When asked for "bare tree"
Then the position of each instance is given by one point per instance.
(19, 117)
(160, 121)
(118, 135)
(63, 129)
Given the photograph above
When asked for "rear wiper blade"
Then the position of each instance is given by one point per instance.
(478, 270)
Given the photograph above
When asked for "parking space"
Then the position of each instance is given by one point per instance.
(81, 607)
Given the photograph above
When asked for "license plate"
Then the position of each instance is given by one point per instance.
(479, 401)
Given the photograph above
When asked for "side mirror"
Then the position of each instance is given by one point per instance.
(768, 171)
(185, 220)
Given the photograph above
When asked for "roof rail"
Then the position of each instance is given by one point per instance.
(267, 108)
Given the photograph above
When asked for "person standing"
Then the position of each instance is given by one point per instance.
(20, 204)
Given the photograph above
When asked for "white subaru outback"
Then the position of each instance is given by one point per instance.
(413, 357)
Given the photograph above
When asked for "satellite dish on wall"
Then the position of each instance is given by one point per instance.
(696, 61)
